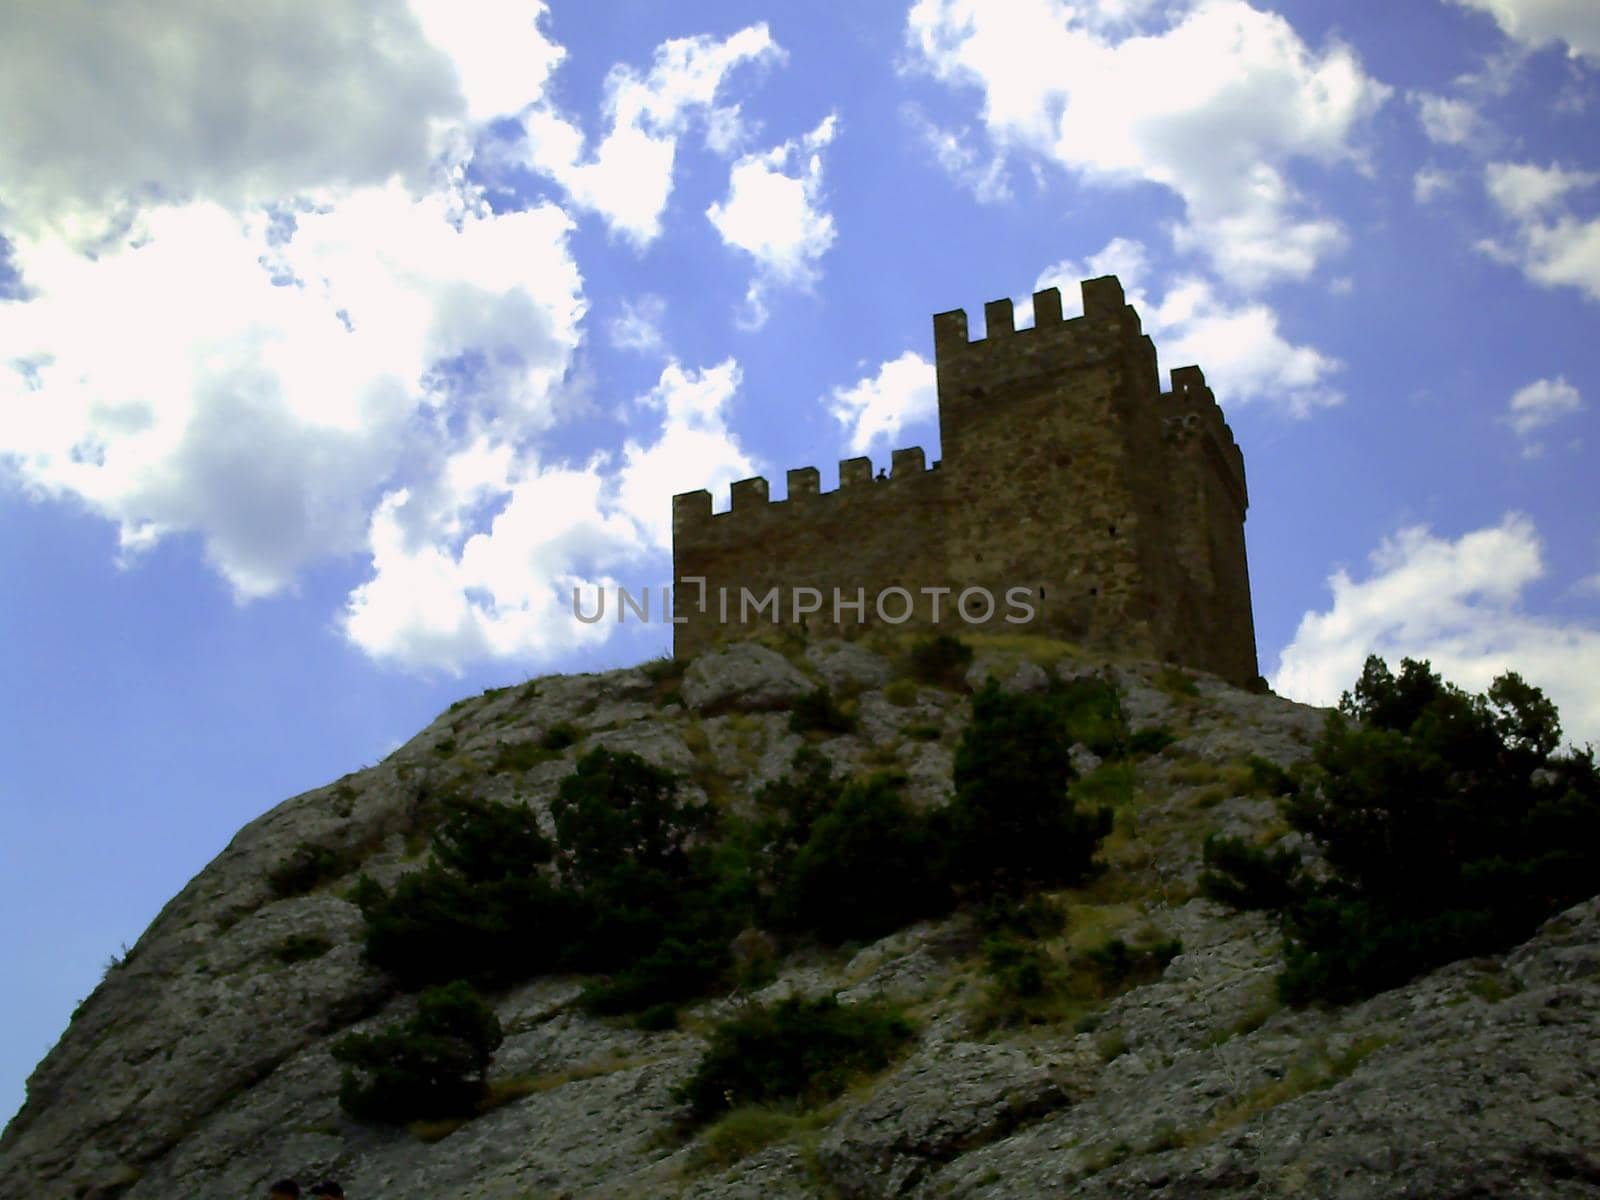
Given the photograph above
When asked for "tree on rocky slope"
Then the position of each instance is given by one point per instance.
(1449, 823)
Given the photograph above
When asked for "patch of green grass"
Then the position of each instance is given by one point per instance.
(1318, 1069)
(435, 1131)
(1177, 683)
(1110, 784)
(1251, 1019)
(923, 731)
(1493, 987)
(742, 1131)
(902, 693)
(1195, 772)
(1111, 1044)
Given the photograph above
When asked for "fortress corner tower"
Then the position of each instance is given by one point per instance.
(1116, 507)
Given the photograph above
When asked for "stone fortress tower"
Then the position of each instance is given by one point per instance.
(1067, 471)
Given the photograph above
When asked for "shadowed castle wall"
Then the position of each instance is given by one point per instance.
(1067, 471)
(867, 534)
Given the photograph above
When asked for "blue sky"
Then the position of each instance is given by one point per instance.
(338, 342)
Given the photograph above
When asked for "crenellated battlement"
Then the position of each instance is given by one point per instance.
(1103, 301)
(1067, 470)
(856, 480)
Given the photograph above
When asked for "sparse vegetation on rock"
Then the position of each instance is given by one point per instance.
(1449, 824)
(958, 949)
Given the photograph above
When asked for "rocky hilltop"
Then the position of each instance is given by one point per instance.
(201, 1065)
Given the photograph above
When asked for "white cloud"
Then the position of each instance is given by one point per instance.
(1541, 403)
(629, 177)
(170, 386)
(1447, 121)
(777, 218)
(1430, 182)
(639, 325)
(694, 448)
(238, 103)
(1216, 108)
(1239, 346)
(1527, 191)
(301, 338)
(444, 593)
(1550, 243)
(1457, 604)
(876, 408)
(983, 174)
(501, 59)
(1539, 22)
(506, 593)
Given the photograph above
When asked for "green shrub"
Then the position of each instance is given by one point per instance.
(1267, 778)
(560, 735)
(1091, 712)
(1019, 967)
(941, 661)
(1450, 825)
(790, 807)
(301, 947)
(1248, 877)
(805, 1051)
(1027, 984)
(1151, 740)
(307, 866)
(618, 818)
(656, 910)
(664, 669)
(1013, 824)
(1120, 965)
(480, 910)
(524, 756)
(902, 693)
(436, 926)
(657, 1018)
(427, 1068)
(672, 970)
(818, 711)
(1110, 784)
(867, 868)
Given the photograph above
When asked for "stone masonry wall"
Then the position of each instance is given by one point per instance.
(1067, 472)
(867, 534)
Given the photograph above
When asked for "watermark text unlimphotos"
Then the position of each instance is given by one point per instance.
(891, 605)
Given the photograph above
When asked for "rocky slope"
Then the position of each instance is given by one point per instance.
(201, 1065)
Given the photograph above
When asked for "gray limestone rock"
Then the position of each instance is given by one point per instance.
(202, 1066)
(848, 666)
(947, 1100)
(743, 677)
